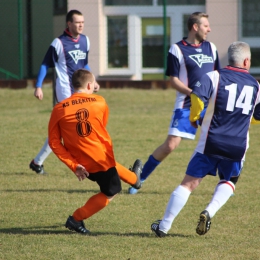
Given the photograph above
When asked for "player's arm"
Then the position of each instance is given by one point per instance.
(201, 94)
(96, 87)
(217, 65)
(87, 67)
(179, 86)
(197, 105)
(55, 142)
(254, 121)
(256, 115)
(105, 115)
(81, 172)
(41, 75)
(49, 60)
(174, 60)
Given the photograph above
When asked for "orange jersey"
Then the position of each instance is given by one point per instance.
(78, 135)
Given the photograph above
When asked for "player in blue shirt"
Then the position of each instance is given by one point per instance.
(187, 61)
(232, 94)
(67, 53)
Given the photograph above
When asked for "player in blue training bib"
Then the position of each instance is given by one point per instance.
(187, 61)
(67, 53)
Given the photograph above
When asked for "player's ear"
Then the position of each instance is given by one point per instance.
(247, 63)
(195, 27)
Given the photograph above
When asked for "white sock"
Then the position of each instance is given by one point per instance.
(222, 193)
(177, 201)
(43, 154)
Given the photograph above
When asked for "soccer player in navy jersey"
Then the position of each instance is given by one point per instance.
(187, 61)
(67, 53)
(231, 94)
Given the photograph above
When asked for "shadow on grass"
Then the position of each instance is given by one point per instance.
(13, 173)
(144, 234)
(52, 190)
(123, 192)
(50, 230)
(149, 192)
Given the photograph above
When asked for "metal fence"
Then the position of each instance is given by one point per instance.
(27, 32)
(37, 22)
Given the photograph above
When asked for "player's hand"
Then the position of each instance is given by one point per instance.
(96, 87)
(200, 121)
(81, 172)
(194, 124)
(38, 93)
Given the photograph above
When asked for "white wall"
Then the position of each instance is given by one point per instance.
(223, 18)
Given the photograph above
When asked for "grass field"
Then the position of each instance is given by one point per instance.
(34, 208)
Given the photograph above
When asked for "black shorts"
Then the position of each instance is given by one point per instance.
(108, 181)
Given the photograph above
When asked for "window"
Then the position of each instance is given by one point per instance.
(255, 57)
(185, 30)
(250, 18)
(153, 42)
(117, 42)
(59, 7)
(182, 2)
(128, 2)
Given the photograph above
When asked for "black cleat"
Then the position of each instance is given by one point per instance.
(156, 230)
(204, 223)
(137, 169)
(37, 168)
(77, 226)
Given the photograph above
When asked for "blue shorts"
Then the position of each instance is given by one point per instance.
(201, 165)
(180, 124)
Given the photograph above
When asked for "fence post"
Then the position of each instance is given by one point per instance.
(164, 37)
(20, 29)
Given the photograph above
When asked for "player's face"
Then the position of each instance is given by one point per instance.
(77, 25)
(203, 29)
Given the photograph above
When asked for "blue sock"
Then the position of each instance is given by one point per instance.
(149, 167)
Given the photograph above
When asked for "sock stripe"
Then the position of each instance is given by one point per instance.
(227, 182)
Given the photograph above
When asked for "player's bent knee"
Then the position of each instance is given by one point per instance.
(110, 197)
(170, 146)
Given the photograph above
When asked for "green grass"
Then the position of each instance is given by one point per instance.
(34, 208)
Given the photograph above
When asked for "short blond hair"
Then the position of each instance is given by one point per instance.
(195, 18)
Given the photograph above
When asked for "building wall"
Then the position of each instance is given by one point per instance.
(223, 17)
(226, 21)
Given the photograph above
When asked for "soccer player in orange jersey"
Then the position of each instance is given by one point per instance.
(78, 136)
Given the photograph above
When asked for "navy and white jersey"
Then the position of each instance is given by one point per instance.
(232, 94)
(189, 62)
(67, 54)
